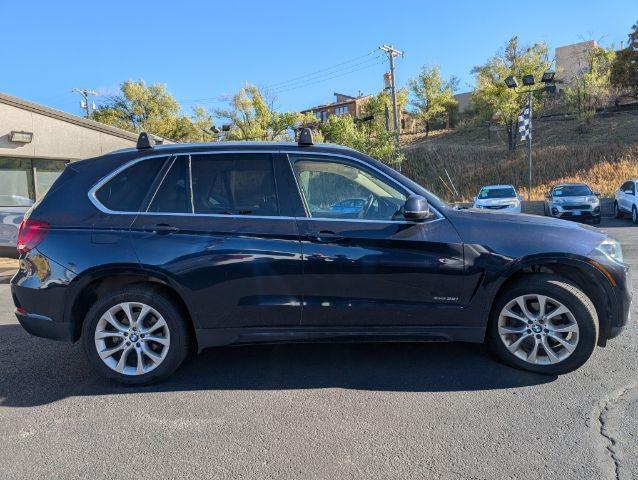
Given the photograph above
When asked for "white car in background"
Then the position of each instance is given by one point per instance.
(498, 198)
(626, 200)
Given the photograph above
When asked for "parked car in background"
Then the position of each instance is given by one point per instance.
(626, 200)
(500, 198)
(573, 201)
(12, 209)
(170, 249)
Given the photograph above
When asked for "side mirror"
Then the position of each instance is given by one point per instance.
(597, 194)
(416, 208)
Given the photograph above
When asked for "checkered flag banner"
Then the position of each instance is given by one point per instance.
(525, 124)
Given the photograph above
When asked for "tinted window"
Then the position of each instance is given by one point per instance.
(125, 191)
(242, 184)
(173, 194)
(333, 189)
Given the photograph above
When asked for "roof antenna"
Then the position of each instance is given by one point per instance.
(145, 141)
(305, 137)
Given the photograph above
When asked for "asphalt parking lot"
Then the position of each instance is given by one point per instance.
(321, 411)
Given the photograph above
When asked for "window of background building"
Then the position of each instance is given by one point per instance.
(24, 180)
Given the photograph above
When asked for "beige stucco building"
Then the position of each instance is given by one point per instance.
(36, 142)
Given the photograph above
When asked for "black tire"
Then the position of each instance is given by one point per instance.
(180, 336)
(617, 212)
(569, 295)
(634, 215)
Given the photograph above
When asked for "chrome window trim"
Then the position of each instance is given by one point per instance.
(100, 183)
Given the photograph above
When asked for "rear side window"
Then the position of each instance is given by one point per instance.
(126, 190)
(173, 194)
(241, 184)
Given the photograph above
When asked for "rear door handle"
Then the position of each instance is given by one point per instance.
(164, 229)
(327, 236)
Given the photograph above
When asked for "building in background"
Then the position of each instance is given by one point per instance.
(36, 142)
(572, 60)
(343, 104)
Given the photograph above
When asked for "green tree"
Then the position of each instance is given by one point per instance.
(140, 107)
(624, 73)
(591, 87)
(381, 109)
(432, 96)
(491, 98)
(252, 117)
(369, 136)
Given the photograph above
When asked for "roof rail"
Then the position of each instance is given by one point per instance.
(305, 137)
(145, 141)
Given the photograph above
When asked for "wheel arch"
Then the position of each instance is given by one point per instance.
(579, 271)
(94, 284)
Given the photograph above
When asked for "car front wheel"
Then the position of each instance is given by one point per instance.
(617, 212)
(634, 215)
(135, 336)
(544, 324)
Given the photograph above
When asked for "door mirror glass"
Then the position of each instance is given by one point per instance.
(416, 208)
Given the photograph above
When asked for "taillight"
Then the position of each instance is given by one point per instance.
(30, 234)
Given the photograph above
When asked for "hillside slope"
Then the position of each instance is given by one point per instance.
(602, 157)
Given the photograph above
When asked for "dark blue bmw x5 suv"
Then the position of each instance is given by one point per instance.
(146, 254)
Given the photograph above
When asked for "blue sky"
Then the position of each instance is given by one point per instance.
(207, 49)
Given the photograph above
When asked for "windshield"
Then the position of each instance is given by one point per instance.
(571, 191)
(500, 192)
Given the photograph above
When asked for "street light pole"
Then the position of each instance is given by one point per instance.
(529, 147)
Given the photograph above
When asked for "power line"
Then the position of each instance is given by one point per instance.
(281, 84)
(328, 75)
(329, 78)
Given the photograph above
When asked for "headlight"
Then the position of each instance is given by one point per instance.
(557, 201)
(611, 249)
(593, 199)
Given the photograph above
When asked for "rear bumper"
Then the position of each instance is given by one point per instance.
(39, 290)
(42, 326)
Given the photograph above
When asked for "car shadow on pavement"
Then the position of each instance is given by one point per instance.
(34, 371)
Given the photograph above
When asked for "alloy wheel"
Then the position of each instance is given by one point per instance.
(132, 338)
(538, 329)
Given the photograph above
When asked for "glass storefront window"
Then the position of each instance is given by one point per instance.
(23, 180)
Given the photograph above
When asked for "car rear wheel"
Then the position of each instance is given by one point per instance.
(135, 336)
(543, 323)
(617, 212)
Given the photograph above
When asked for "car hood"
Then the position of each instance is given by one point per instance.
(521, 235)
(495, 201)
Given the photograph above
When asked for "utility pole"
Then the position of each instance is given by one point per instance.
(84, 103)
(392, 52)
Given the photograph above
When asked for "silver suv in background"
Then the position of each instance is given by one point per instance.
(573, 201)
(626, 200)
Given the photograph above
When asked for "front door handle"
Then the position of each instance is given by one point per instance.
(164, 229)
(327, 236)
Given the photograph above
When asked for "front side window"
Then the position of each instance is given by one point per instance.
(335, 189)
(126, 190)
(239, 184)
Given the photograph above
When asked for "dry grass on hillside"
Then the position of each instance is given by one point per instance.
(603, 158)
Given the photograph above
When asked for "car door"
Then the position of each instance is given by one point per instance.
(369, 266)
(215, 228)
